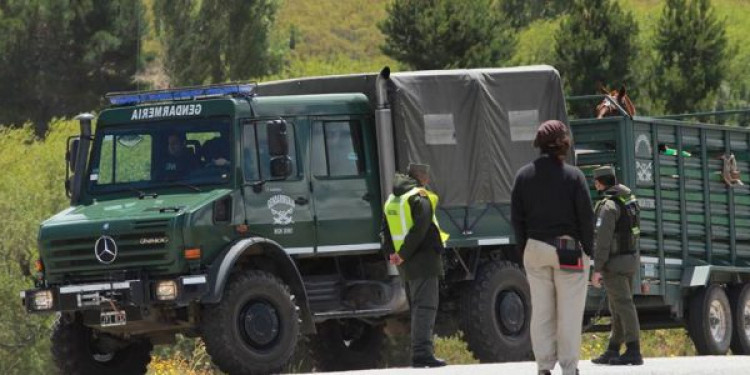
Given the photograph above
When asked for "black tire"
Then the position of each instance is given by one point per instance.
(255, 327)
(739, 299)
(349, 344)
(74, 352)
(495, 313)
(710, 321)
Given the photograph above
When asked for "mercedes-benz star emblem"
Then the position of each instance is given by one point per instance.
(105, 250)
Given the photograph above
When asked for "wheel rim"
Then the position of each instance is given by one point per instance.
(103, 357)
(510, 312)
(746, 318)
(260, 324)
(717, 321)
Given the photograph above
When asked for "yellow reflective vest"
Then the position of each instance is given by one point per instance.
(398, 215)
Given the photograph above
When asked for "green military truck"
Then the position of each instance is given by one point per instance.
(695, 219)
(249, 215)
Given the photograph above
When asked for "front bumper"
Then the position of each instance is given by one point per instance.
(130, 294)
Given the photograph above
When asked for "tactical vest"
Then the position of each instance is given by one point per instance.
(628, 226)
(398, 215)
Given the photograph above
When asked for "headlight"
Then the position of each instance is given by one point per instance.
(166, 290)
(43, 300)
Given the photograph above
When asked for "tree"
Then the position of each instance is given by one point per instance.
(213, 41)
(523, 12)
(60, 56)
(596, 43)
(443, 34)
(691, 49)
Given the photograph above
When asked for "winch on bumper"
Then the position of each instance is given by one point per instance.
(116, 295)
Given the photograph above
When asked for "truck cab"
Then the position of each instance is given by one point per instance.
(250, 215)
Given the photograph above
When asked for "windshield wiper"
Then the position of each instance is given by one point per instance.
(192, 187)
(142, 194)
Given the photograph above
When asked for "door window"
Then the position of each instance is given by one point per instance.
(256, 158)
(338, 149)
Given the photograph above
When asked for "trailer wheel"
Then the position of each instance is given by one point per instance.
(710, 321)
(495, 313)
(74, 351)
(255, 327)
(347, 344)
(739, 299)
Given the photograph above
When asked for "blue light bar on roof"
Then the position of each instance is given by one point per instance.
(187, 93)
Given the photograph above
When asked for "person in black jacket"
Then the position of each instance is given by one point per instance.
(554, 227)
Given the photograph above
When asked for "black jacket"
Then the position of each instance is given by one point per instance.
(422, 247)
(551, 199)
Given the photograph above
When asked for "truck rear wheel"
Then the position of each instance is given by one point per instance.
(254, 329)
(710, 321)
(496, 312)
(739, 299)
(75, 351)
(347, 344)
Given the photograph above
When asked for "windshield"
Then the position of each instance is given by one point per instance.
(185, 153)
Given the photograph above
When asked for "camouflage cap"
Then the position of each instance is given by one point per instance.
(604, 171)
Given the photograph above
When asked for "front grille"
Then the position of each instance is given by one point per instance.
(157, 224)
(76, 255)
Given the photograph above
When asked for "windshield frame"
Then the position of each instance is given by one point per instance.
(223, 122)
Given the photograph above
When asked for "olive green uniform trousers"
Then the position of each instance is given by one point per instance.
(423, 298)
(625, 326)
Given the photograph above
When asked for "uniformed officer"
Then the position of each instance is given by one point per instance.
(415, 243)
(616, 261)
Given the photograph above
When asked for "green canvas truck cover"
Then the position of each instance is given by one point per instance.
(474, 127)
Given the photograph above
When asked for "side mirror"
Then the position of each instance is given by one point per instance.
(72, 153)
(281, 167)
(278, 143)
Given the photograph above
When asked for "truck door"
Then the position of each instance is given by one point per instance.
(278, 207)
(345, 185)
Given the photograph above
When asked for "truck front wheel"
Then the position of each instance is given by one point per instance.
(254, 329)
(75, 350)
(739, 298)
(347, 344)
(710, 321)
(496, 312)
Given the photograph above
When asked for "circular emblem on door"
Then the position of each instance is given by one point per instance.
(105, 250)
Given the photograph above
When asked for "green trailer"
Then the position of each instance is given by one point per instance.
(695, 237)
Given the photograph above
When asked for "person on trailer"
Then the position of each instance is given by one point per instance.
(414, 241)
(554, 226)
(615, 262)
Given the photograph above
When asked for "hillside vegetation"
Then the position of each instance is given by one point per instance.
(328, 37)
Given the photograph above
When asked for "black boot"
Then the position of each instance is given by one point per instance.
(427, 361)
(612, 352)
(632, 355)
(545, 372)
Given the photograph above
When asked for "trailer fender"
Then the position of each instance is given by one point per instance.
(697, 276)
(286, 269)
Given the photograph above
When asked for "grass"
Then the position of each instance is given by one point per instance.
(192, 360)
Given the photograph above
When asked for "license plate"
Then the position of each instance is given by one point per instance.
(113, 318)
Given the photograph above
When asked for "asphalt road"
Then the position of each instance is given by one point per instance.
(727, 365)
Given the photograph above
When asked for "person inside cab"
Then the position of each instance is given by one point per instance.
(179, 159)
(216, 152)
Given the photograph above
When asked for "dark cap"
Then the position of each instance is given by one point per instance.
(604, 171)
(549, 132)
(419, 168)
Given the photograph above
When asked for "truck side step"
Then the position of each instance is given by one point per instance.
(323, 292)
(322, 316)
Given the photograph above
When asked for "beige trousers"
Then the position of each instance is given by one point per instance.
(557, 302)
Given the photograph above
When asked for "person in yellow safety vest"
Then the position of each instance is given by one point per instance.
(414, 241)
